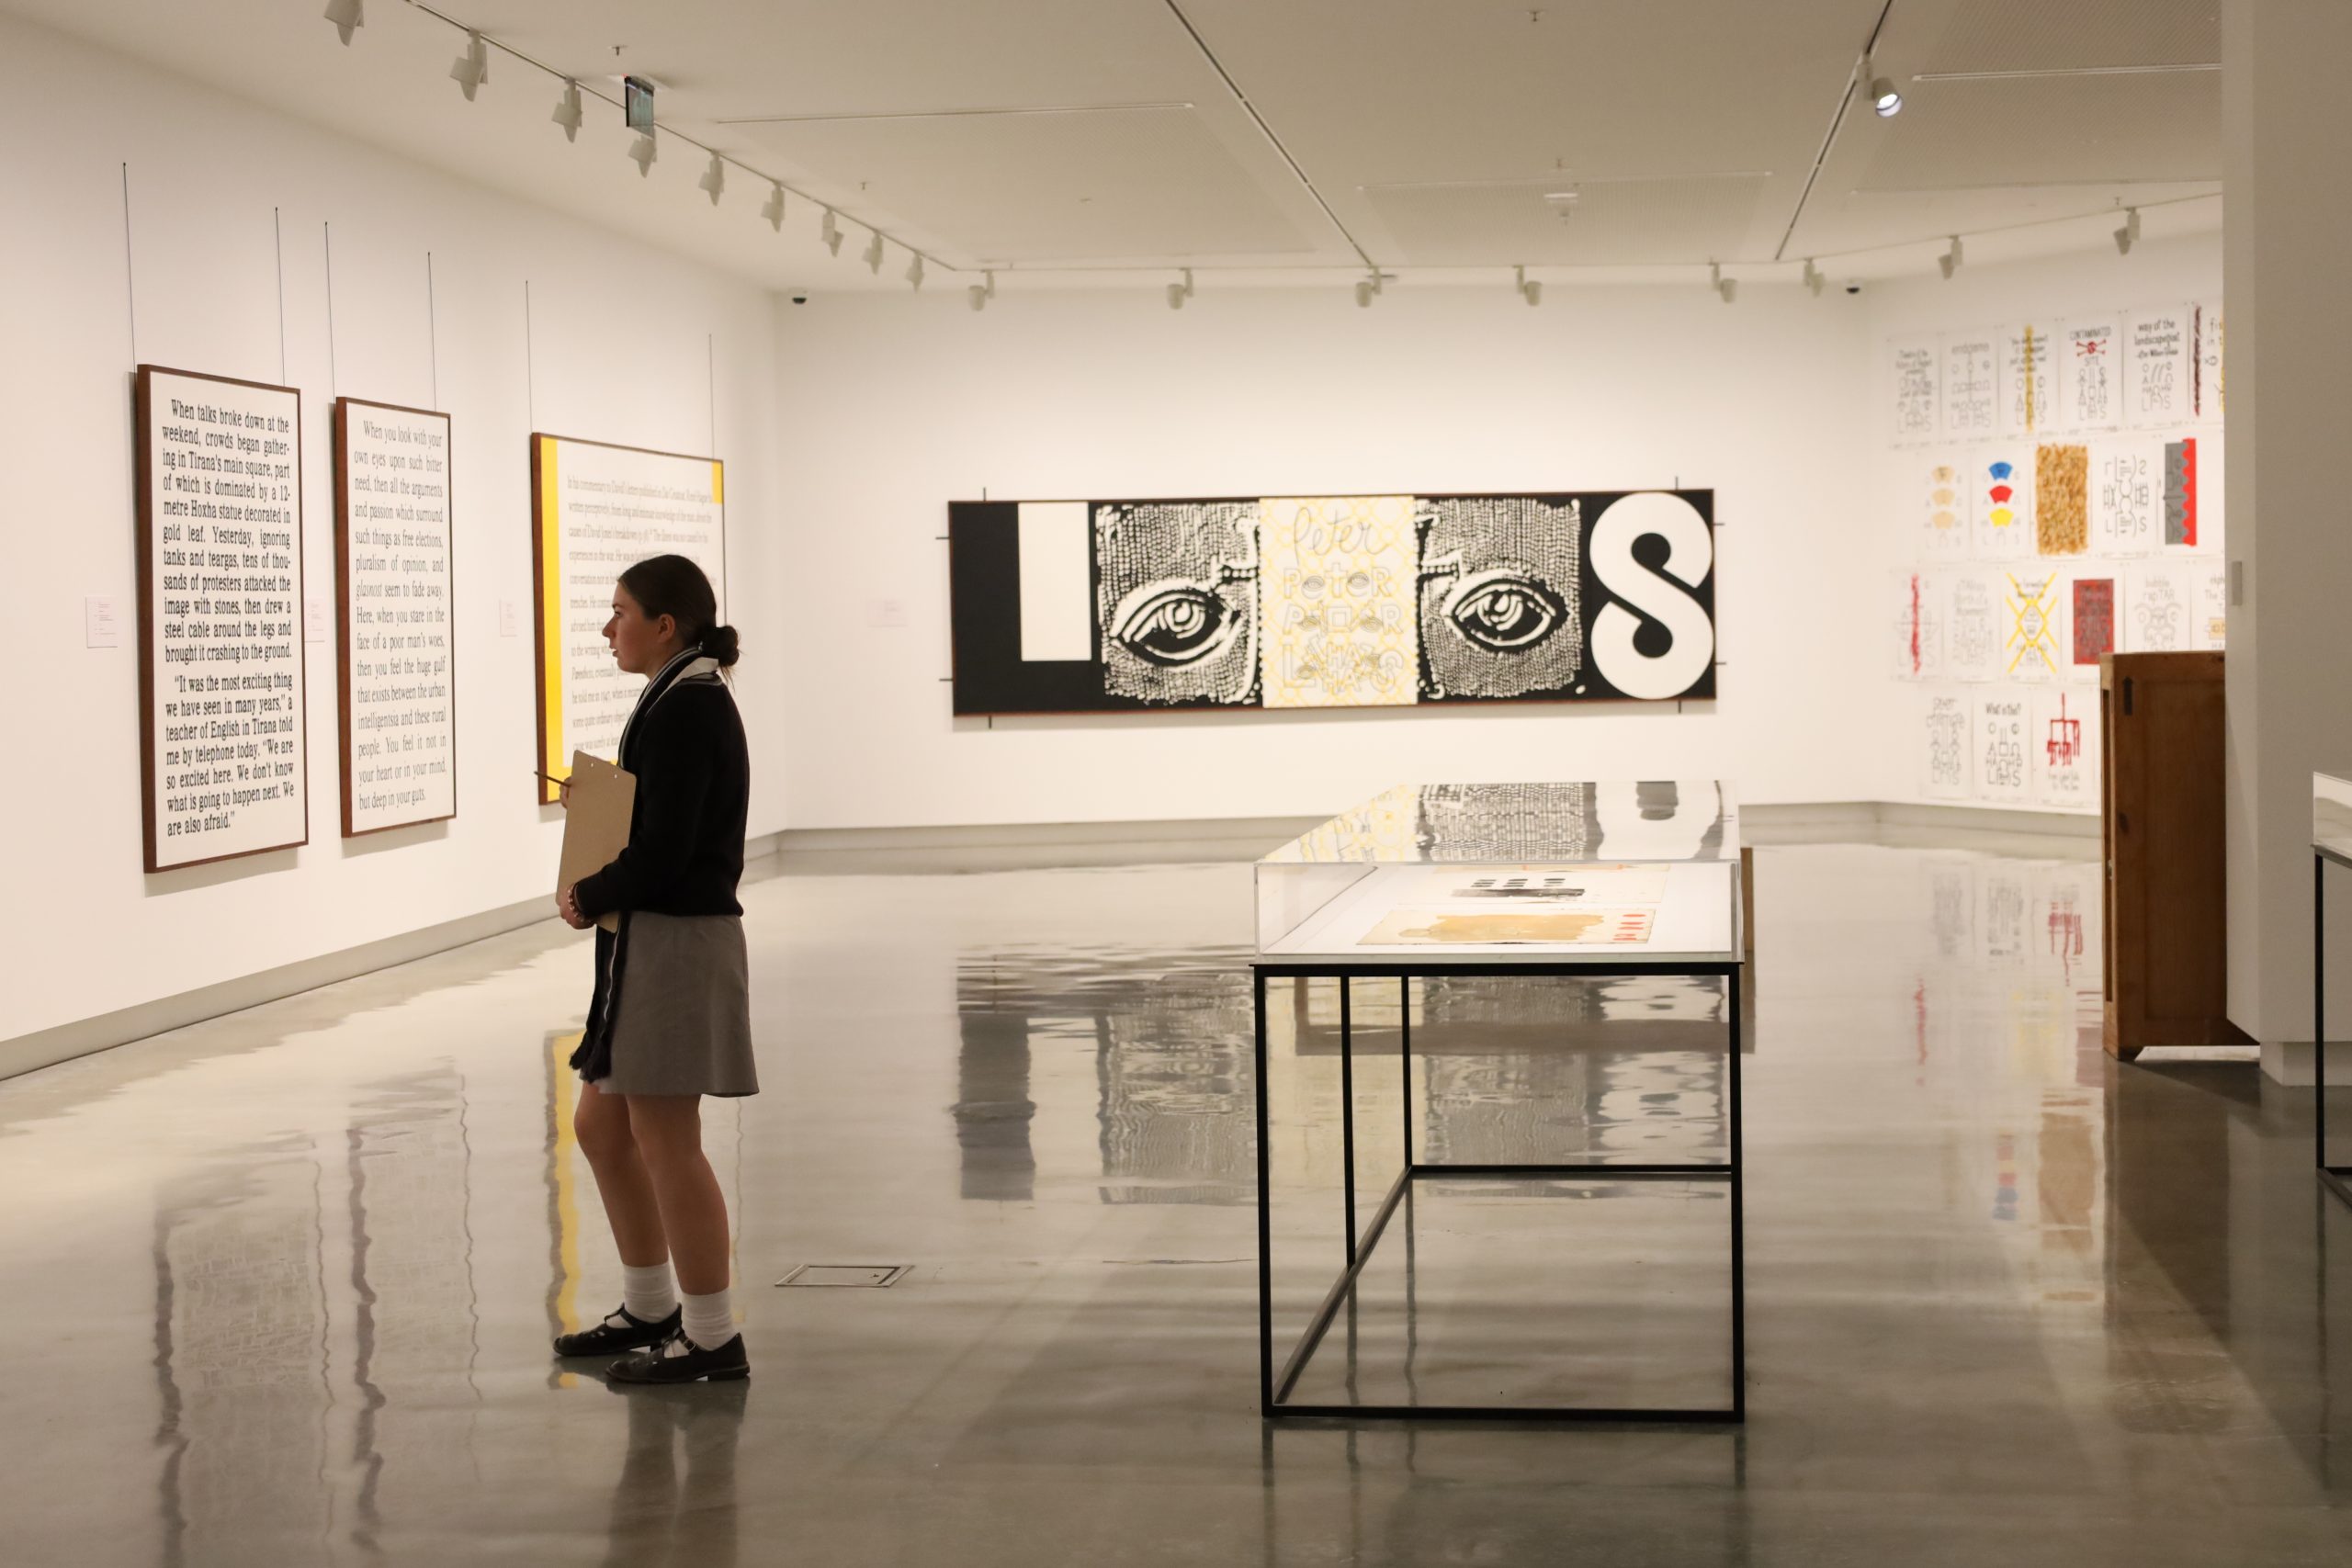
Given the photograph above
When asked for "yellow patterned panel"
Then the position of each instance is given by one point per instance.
(557, 762)
(2032, 644)
(1338, 611)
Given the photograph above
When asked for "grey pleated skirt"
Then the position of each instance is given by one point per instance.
(682, 1022)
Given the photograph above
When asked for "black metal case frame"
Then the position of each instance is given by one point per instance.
(1274, 1389)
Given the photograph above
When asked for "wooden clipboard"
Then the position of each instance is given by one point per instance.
(596, 825)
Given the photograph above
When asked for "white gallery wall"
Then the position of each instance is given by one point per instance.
(892, 407)
(2087, 286)
(2285, 129)
(223, 267)
(156, 221)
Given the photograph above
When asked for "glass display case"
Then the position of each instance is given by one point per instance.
(1457, 885)
(1548, 874)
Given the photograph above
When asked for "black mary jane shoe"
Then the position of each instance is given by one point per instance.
(621, 1331)
(679, 1359)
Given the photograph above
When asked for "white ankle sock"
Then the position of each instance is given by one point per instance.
(710, 1320)
(648, 1292)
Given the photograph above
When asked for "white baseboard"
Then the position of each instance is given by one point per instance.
(1890, 822)
(1045, 844)
(49, 1046)
(1035, 845)
(2288, 1062)
(1025, 846)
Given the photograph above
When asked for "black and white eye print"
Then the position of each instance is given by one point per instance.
(1498, 600)
(1505, 609)
(1286, 601)
(1176, 594)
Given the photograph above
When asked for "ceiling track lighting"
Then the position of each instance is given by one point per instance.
(2129, 235)
(1530, 292)
(348, 16)
(1885, 101)
(471, 69)
(980, 294)
(914, 272)
(1813, 278)
(1369, 289)
(1179, 292)
(567, 112)
(1949, 263)
(1726, 287)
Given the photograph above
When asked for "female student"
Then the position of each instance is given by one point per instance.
(670, 1019)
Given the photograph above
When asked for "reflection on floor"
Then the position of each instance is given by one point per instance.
(284, 1282)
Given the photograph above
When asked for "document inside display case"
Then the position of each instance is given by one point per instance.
(1583, 872)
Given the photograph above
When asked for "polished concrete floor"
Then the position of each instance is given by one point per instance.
(282, 1284)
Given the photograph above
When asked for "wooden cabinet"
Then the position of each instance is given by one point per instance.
(2166, 962)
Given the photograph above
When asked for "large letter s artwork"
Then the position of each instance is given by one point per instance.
(1665, 599)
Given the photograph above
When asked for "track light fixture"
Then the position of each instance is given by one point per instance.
(1530, 292)
(1726, 287)
(831, 232)
(774, 210)
(2129, 235)
(1368, 290)
(348, 16)
(567, 112)
(914, 272)
(1949, 263)
(1885, 101)
(982, 293)
(1813, 278)
(471, 69)
(642, 151)
(714, 178)
(873, 253)
(1179, 292)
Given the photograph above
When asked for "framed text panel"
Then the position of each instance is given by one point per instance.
(596, 510)
(394, 540)
(222, 757)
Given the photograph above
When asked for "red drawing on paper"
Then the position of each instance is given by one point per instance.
(2064, 742)
(2094, 618)
(2180, 491)
(1914, 623)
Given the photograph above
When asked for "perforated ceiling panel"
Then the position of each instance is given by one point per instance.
(2044, 35)
(1087, 186)
(1611, 222)
(2048, 130)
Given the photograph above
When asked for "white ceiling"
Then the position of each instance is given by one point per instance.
(1109, 142)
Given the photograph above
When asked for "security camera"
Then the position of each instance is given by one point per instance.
(800, 299)
(1854, 289)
